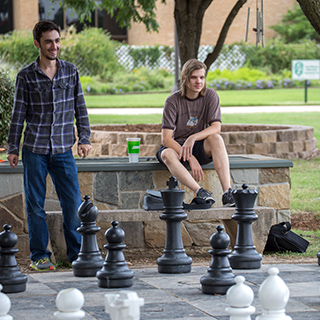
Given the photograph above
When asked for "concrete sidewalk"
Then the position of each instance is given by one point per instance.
(168, 296)
(224, 110)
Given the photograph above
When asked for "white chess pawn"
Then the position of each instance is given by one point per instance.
(274, 296)
(123, 306)
(239, 298)
(5, 305)
(69, 303)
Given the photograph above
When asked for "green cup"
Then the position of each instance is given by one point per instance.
(133, 149)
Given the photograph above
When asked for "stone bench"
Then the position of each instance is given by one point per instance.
(114, 184)
(144, 229)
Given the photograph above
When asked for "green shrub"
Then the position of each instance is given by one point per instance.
(145, 56)
(141, 79)
(244, 74)
(295, 26)
(277, 56)
(6, 104)
(17, 48)
(246, 78)
(91, 49)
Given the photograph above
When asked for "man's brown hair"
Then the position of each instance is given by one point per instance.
(187, 69)
(44, 26)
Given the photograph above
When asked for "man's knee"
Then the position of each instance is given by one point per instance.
(168, 155)
(215, 140)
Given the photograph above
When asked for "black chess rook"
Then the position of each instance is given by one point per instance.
(244, 255)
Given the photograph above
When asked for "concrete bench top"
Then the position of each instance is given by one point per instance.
(151, 163)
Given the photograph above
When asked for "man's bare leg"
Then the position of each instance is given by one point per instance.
(214, 146)
(177, 169)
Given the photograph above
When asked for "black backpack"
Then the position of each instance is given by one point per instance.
(281, 239)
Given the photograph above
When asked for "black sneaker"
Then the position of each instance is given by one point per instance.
(227, 199)
(205, 195)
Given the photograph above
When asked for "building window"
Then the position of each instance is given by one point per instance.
(112, 26)
(6, 16)
(65, 18)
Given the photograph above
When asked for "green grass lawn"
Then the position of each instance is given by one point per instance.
(148, 100)
(305, 186)
(227, 98)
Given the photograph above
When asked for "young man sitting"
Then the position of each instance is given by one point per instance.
(191, 126)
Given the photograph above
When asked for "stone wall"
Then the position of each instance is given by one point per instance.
(286, 142)
(115, 184)
(145, 230)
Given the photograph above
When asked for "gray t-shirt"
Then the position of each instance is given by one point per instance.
(186, 117)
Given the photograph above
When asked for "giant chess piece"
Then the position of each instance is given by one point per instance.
(11, 277)
(239, 299)
(219, 277)
(5, 305)
(174, 258)
(123, 306)
(274, 296)
(69, 303)
(89, 259)
(244, 255)
(115, 272)
(318, 256)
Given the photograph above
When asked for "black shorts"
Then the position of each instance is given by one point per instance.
(197, 151)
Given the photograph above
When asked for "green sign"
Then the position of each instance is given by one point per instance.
(305, 69)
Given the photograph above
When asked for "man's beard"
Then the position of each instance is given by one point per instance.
(47, 56)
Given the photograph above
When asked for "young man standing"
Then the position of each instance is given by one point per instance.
(48, 96)
(191, 126)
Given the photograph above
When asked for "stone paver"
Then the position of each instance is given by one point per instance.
(168, 296)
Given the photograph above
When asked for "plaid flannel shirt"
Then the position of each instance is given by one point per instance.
(49, 109)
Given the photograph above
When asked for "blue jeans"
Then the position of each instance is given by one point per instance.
(63, 171)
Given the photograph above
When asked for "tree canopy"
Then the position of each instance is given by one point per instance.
(125, 12)
(295, 26)
(188, 17)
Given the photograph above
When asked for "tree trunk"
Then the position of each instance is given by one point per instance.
(188, 16)
(311, 9)
(212, 57)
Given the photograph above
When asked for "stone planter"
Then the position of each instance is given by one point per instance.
(286, 142)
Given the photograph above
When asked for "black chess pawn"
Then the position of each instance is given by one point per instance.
(174, 258)
(11, 277)
(89, 259)
(318, 256)
(244, 255)
(219, 277)
(115, 272)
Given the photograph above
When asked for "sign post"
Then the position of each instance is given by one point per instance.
(305, 70)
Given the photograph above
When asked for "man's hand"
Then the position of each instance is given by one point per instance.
(13, 160)
(83, 150)
(186, 149)
(196, 169)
